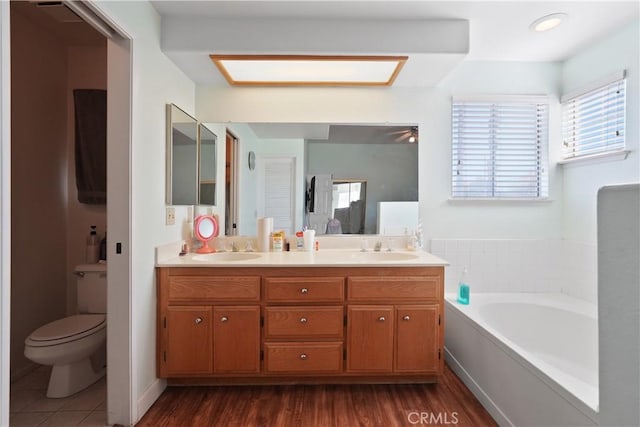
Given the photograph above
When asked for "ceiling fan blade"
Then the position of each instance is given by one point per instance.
(402, 137)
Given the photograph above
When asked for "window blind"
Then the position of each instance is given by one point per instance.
(594, 122)
(499, 149)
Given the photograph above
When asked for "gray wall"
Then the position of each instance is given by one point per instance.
(391, 170)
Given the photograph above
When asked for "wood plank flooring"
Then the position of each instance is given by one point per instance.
(446, 403)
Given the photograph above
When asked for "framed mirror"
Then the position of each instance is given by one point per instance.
(207, 172)
(182, 157)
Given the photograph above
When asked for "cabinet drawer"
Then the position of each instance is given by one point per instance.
(218, 288)
(301, 322)
(304, 289)
(393, 288)
(303, 357)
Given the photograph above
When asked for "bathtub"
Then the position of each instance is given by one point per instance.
(531, 359)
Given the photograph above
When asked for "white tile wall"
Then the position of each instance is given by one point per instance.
(550, 265)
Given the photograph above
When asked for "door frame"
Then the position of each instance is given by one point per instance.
(120, 384)
(5, 210)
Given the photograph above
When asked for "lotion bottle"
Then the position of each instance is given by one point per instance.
(93, 246)
(463, 288)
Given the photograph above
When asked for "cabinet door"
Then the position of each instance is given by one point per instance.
(189, 348)
(370, 338)
(417, 338)
(236, 339)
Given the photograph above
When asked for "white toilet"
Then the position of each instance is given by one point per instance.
(76, 345)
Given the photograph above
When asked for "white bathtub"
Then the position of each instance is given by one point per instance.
(531, 359)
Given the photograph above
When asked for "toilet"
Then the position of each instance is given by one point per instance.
(76, 345)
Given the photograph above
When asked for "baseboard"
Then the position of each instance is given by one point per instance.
(477, 391)
(149, 397)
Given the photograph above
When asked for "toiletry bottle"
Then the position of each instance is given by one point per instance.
(463, 288)
(103, 248)
(93, 246)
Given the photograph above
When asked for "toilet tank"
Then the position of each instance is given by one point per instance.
(92, 287)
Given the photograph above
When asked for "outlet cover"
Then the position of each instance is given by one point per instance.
(170, 215)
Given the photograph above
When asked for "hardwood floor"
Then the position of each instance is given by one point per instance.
(446, 403)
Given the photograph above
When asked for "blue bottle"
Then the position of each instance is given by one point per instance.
(463, 288)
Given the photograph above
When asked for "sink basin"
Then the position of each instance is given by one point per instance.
(226, 257)
(384, 256)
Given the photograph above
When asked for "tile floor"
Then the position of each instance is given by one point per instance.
(30, 406)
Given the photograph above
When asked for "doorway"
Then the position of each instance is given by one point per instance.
(116, 69)
(231, 185)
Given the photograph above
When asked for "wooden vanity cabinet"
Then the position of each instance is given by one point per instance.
(300, 324)
(405, 337)
(207, 325)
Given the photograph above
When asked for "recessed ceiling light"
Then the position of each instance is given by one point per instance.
(548, 22)
(309, 70)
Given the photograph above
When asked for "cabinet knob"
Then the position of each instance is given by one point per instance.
(303, 356)
(198, 320)
(224, 319)
(406, 318)
(304, 290)
(381, 319)
(303, 320)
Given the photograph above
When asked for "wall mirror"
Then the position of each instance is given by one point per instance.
(362, 164)
(207, 175)
(182, 157)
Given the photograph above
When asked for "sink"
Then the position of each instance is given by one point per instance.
(226, 257)
(384, 256)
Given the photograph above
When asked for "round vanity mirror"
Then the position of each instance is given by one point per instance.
(206, 228)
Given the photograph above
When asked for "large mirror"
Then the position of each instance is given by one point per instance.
(207, 175)
(342, 172)
(182, 157)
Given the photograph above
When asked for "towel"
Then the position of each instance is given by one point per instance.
(91, 145)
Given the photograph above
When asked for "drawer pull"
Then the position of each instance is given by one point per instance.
(303, 356)
(304, 291)
(303, 320)
(224, 319)
(198, 320)
(406, 318)
(381, 319)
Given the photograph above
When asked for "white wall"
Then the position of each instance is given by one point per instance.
(582, 181)
(156, 82)
(86, 69)
(38, 182)
(430, 109)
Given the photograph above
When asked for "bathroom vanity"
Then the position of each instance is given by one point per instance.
(331, 316)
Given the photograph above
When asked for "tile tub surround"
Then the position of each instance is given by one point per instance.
(517, 265)
(29, 405)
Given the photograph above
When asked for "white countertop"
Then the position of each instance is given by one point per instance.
(322, 258)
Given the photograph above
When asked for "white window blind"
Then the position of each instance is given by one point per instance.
(594, 122)
(499, 149)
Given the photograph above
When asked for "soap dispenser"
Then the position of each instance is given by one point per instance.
(463, 288)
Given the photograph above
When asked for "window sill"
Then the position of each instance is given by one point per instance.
(596, 158)
(495, 200)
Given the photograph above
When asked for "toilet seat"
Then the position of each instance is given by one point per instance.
(70, 328)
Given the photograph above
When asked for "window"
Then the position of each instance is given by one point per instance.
(499, 148)
(593, 119)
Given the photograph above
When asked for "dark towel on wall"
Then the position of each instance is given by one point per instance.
(91, 145)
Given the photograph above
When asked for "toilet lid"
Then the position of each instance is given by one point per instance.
(69, 327)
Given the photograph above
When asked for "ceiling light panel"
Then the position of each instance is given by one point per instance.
(309, 70)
